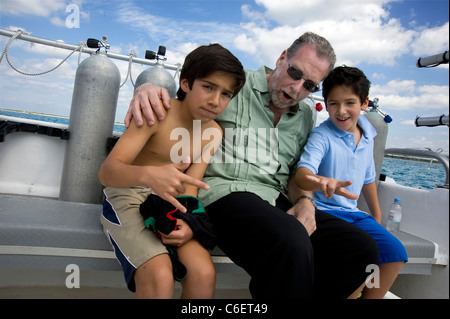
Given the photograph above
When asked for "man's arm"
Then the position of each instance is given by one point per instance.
(304, 209)
(147, 97)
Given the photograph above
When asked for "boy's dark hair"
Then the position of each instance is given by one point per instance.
(348, 76)
(208, 59)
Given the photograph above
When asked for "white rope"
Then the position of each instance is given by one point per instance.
(5, 53)
(177, 73)
(80, 47)
(18, 32)
(130, 62)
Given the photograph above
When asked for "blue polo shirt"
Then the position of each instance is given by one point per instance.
(331, 152)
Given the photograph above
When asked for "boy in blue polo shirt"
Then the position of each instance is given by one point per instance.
(338, 160)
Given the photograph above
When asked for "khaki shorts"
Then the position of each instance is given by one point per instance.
(124, 226)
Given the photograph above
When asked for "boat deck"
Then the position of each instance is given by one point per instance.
(40, 237)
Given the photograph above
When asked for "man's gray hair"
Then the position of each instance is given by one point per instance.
(322, 46)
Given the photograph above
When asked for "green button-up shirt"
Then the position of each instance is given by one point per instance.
(254, 155)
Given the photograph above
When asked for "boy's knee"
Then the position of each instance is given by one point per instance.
(203, 273)
(154, 282)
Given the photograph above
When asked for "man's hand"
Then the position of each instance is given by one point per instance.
(147, 97)
(305, 212)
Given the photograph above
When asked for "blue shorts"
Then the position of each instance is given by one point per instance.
(391, 249)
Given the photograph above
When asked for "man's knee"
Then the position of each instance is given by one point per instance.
(368, 248)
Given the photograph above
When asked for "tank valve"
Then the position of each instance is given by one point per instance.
(159, 56)
(98, 44)
(374, 108)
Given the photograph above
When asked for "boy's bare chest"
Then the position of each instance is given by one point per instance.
(174, 143)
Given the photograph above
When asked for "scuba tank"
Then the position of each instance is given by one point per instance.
(157, 74)
(379, 121)
(92, 115)
(315, 106)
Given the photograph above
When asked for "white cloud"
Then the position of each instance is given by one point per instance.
(378, 76)
(58, 21)
(419, 138)
(294, 12)
(408, 123)
(54, 10)
(395, 86)
(359, 31)
(266, 45)
(182, 50)
(174, 31)
(43, 8)
(431, 41)
(407, 95)
(254, 16)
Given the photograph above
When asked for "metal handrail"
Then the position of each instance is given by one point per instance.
(422, 154)
(84, 49)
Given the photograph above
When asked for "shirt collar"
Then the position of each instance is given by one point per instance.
(369, 131)
(260, 84)
(260, 79)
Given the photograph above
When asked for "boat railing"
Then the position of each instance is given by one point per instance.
(81, 47)
(423, 153)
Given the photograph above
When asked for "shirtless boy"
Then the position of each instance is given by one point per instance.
(146, 160)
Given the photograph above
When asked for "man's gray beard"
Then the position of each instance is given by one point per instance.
(278, 103)
(276, 94)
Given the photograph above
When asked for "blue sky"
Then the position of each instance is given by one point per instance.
(384, 38)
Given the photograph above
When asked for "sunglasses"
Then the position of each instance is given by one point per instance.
(297, 75)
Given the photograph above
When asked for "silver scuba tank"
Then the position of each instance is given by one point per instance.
(92, 115)
(379, 121)
(157, 74)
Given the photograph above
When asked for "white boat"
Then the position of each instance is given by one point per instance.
(52, 244)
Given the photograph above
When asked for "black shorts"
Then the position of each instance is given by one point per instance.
(279, 255)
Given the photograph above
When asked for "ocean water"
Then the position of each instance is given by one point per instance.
(50, 118)
(417, 174)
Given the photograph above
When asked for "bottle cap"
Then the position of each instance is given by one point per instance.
(397, 200)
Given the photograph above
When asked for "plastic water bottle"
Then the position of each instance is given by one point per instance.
(395, 215)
